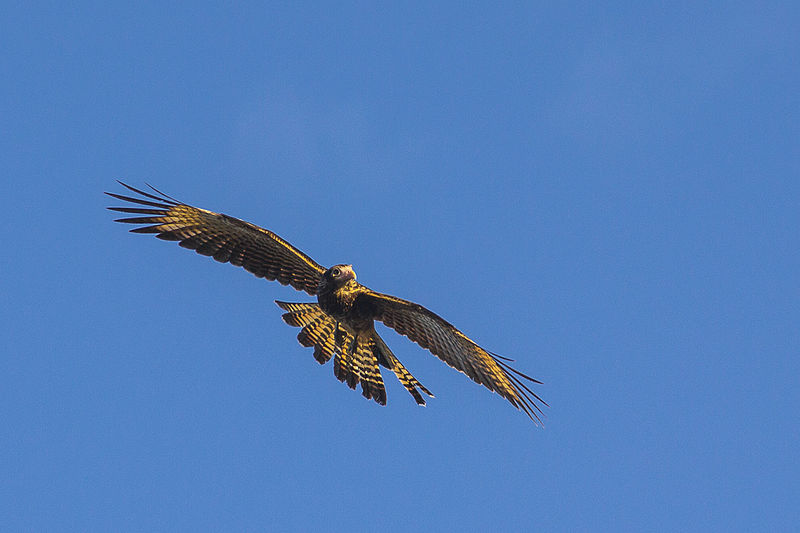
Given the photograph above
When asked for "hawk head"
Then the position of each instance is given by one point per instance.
(336, 276)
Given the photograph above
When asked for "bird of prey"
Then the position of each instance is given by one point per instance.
(341, 323)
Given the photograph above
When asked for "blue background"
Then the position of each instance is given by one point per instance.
(608, 194)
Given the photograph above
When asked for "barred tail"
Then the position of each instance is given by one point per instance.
(318, 328)
(355, 360)
(372, 387)
(386, 358)
(345, 362)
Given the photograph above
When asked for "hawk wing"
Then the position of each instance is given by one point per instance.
(226, 239)
(434, 333)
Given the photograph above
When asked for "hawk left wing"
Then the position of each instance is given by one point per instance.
(225, 238)
(434, 333)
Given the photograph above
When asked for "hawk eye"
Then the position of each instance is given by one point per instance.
(336, 272)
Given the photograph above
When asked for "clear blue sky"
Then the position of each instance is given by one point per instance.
(607, 194)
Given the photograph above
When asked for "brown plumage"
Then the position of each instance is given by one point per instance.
(341, 324)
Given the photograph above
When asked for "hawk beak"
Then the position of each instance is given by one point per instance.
(352, 272)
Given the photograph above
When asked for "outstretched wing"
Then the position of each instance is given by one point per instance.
(226, 239)
(454, 348)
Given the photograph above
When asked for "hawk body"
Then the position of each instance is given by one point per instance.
(338, 294)
(341, 324)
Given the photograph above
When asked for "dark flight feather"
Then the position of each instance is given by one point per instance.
(225, 238)
(442, 339)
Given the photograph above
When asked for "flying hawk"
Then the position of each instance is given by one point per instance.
(341, 324)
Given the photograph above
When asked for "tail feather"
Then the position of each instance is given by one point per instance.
(385, 356)
(355, 360)
(319, 335)
(371, 380)
(345, 363)
(318, 328)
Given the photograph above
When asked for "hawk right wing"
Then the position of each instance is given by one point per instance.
(226, 239)
(442, 339)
